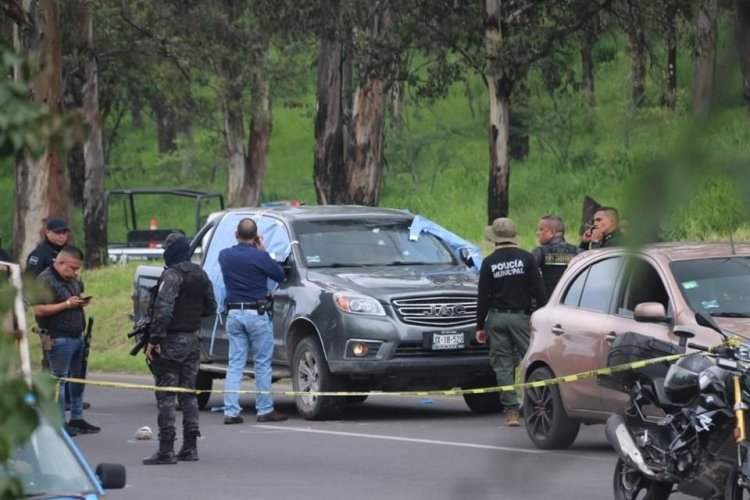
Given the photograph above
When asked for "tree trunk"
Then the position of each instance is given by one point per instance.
(705, 57)
(364, 161)
(94, 207)
(587, 75)
(637, 40)
(742, 36)
(234, 137)
(329, 126)
(166, 125)
(670, 98)
(498, 130)
(42, 186)
(260, 132)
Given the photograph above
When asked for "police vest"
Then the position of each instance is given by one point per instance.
(555, 260)
(188, 307)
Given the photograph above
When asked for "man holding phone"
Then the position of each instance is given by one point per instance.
(60, 316)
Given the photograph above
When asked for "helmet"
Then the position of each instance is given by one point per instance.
(681, 383)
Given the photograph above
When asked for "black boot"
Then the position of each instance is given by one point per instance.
(165, 455)
(189, 450)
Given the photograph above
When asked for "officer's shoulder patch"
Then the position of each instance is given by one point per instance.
(558, 259)
(33, 260)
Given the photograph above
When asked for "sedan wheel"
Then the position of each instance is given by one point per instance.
(547, 424)
(310, 374)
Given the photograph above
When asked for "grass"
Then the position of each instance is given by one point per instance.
(437, 166)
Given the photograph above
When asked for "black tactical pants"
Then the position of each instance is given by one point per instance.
(177, 366)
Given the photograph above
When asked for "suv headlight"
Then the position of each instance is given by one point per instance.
(358, 304)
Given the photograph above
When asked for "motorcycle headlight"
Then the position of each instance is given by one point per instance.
(358, 304)
(711, 378)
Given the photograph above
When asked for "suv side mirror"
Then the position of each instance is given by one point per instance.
(650, 312)
(465, 256)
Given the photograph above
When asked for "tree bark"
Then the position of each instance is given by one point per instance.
(94, 207)
(670, 98)
(587, 74)
(329, 119)
(499, 127)
(705, 57)
(42, 186)
(166, 125)
(260, 132)
(364, 161)
(637, 40)
(234, 137)
(742, 37)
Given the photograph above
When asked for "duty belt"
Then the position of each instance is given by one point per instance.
(246, 305)
(56, 334)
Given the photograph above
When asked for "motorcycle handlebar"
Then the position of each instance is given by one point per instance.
(699, 347)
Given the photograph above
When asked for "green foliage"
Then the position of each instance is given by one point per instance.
(19, 403)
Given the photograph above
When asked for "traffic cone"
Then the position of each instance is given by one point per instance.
(153, 225)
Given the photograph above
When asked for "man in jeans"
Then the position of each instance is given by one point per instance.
(60, 316)
(509, 281)
(246, 268)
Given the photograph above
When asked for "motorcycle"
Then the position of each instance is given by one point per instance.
(697, 444)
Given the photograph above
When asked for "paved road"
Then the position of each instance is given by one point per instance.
(387, 447)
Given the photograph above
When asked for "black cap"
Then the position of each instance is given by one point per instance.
(57, 224)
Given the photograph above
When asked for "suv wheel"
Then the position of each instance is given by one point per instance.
(547, 424)
(483, 403)
(203, 382)
(310, 374)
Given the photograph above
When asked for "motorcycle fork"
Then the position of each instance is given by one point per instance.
(739, 410)
(743, 463)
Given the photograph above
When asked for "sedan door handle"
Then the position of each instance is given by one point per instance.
(558, 330)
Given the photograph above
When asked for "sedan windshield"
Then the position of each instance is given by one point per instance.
(719, 286)
(46, 465)
(373, 242)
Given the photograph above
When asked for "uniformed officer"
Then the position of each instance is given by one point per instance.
(55, 237)
(184, 296)
(554, 253)
(508, 281)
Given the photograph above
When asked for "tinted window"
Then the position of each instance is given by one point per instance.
(367, 243)
(593, 288)
(644, 285)
(573, 295)
(720, 286)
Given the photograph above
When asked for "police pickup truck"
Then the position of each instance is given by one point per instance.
(373, 299)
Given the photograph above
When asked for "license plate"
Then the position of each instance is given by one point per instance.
(441, 341)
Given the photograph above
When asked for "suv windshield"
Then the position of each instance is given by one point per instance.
(372, 242)
(720, 286)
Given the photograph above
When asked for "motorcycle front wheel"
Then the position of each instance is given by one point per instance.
(734, 491)
(630, 484)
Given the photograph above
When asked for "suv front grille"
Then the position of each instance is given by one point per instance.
(441, 312)
(416, 349)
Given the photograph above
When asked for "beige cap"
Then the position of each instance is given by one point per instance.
(502, 230)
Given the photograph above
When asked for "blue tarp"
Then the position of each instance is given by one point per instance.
(275, 238)
(421, 224)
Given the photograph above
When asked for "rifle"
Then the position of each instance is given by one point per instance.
(86, 348)
(142, 334)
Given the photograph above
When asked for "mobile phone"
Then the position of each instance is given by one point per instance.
(86, 297)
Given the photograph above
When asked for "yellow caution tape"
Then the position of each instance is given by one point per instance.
(449, 392)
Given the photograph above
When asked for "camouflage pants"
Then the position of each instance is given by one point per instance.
(177, 366)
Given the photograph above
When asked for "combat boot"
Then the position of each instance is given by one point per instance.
(165, 455)
(189, 450)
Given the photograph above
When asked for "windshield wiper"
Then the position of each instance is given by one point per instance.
(729, 314)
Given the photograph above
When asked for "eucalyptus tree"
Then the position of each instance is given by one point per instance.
(742, 37)
(42, 185)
